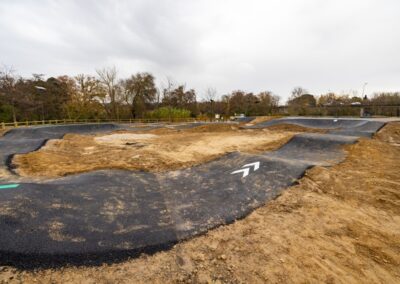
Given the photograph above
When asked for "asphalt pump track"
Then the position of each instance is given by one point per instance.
(110, 215)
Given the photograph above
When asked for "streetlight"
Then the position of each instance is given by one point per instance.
(212, 109)
(363, 90)
(362, 111)
(40, 88)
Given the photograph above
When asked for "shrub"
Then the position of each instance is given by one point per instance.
(168, 113)
(6, 113)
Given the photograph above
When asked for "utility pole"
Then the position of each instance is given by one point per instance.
(40, 88)
(362, 111)
(212, 109)
(363, 89)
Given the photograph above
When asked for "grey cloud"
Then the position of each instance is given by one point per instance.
(250, 45)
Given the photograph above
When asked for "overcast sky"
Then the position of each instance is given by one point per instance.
(321, 45)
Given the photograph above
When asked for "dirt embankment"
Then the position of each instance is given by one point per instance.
(390, 134)
(259, 119)
(156, 150)
(294, 128)
(338, 225)
(213, 128)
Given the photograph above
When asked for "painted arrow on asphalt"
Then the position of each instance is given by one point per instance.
(246, 169)
(7, 186)
(256, 165)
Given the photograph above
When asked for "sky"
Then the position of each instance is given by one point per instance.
(275, 45)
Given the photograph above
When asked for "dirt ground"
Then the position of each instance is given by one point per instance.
(338, 225)
(156, 150)
(259, 119)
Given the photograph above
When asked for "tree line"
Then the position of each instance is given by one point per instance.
(330, 104)
(107, 96)
(301, 97)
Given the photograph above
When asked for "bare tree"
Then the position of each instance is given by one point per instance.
(108, 77)
(297, 92)
(210, 94)
(88, 88)
(167, 87)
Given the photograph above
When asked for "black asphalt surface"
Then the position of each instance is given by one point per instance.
(109, 215)
(338, 126)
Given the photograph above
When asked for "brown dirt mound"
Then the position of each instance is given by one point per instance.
(259, 119)
(160, 131)
(339, 225)
(295, 128)
(212, 128)
(390, 133)
(168, 150)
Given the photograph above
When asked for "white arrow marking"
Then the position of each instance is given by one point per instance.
(244, 171)
(256, 165)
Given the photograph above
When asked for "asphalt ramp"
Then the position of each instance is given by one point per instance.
(337, 126)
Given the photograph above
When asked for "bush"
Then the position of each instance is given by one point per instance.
(6, 113)
(168, 113)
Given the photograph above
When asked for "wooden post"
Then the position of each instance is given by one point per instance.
(16, 123)
(3, 125)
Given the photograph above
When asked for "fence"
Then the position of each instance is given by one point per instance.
(343, 110)
(6, 125)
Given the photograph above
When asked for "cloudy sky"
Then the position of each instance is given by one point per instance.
(321, 45)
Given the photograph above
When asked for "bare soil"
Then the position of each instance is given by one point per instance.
(338, 225)
(259, 119)
(294, 128)
(391, 134)
(156, 150)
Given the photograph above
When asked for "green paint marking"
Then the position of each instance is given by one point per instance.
(12, 185)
